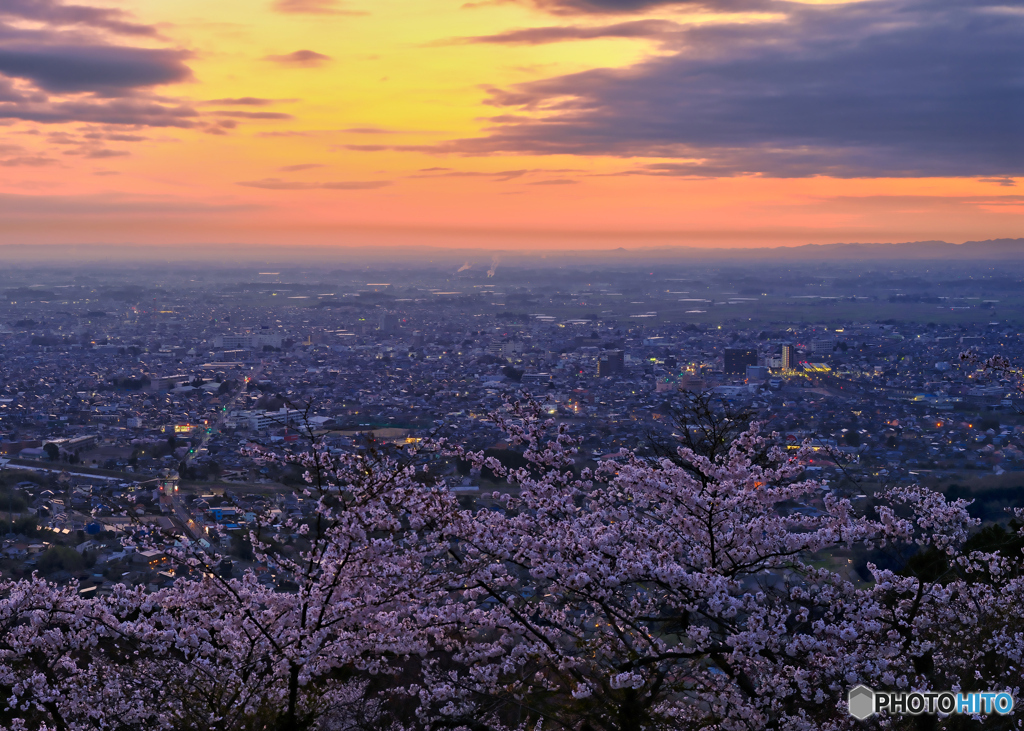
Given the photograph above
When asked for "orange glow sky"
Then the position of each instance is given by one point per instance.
(388, 122)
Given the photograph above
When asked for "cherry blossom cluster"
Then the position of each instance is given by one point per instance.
(636, 593)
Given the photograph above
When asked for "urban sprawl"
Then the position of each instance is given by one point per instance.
(124, 405)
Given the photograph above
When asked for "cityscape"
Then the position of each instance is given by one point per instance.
(511, 365)
(125, 404)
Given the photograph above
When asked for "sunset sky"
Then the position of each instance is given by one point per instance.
(510, 123)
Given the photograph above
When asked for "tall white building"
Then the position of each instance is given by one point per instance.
(247, 341)
(822, 346)
(275, 419)
(788, 357)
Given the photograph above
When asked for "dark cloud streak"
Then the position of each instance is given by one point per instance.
(625, 7)
(34, 161)
(313, 7)
(104, 70)
(246, 101)
(501, 176)
(121, 111)
(55, 13)
(555, 34)
(252, 115)
(99, 205)
(278, 184)
(305, 58)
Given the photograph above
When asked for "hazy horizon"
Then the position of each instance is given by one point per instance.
(411, 255)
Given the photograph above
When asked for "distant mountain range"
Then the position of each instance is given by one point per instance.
(238, 254)
(998, 249)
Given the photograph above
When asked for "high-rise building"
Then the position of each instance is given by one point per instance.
(388, 323)
(537, 381)
(822, 346)
(757, 373)
(611, 362)
(788, 357)
(506, 348)
(247, 341)
(737, 360)
(691, 382)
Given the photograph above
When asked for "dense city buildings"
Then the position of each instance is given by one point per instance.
(123, 404)
(611, 363)
(737, 360)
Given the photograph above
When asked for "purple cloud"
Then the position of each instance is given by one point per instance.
(109, 204)
(1004, 182)
(54, 70)
(369, 131)
(278, 184)
(872, 89)
(622, 7)
(253, 115)
(33, 161)
(102, 154)
(120, 111)
(55, 13)
(245, 101)
(300, 58)
(313, 7)
(501, 176)
(102, 70)
(555, 34)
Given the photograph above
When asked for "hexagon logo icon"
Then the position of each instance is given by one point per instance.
(861, 702)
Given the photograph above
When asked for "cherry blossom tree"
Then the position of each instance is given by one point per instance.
(367, 592)
(708, 590)
(703, 592)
